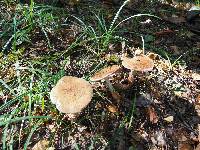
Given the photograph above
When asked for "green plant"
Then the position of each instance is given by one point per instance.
(25, 21)
(174, 63)
(100, 37)
(25, 96)
(197, 2)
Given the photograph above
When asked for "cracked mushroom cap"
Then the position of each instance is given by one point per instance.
(71, 94)
(138, 63)
(102, 74)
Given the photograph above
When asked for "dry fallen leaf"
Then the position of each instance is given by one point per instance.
(196, 76)
(152, 115)
(116, 96)
(169, 119)
(180, 135)
(184, 146)
(41, 145)
(198, 100)
(181, 94)
(112, 108)
(98, 106)
(165, 32)
(26, 98)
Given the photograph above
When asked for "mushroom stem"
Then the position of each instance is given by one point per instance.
(111, 89)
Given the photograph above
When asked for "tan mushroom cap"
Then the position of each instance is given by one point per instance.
(138, 63)
(102, 74)
(71, 94)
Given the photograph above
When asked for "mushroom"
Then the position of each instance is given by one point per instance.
(71, 94)
(141, 63)
(105, 74)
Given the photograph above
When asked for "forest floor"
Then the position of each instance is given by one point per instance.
(40, 43)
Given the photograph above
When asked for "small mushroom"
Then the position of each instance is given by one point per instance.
(105, 74)
(141, 63)
(71, 94)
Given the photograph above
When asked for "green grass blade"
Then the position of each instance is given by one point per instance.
(7, 86)
(117, 14)
(9, 103)
(15, 33)
(138, 15)
(132, 112)
(11, 140)
(101, 23)
(5, 133)
(17, 119)
(43, 104)
(31, 133)
(30, 96)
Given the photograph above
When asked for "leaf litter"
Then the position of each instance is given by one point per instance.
(158, 110)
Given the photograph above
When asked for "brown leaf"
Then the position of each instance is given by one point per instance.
(184, 146)
(41, 145)
(196, 76)
(180, 135)
(112, 108)
(26, 98)
(152, 115)
(116, 96)
(98, 106)
(165, 32)
(198, 100)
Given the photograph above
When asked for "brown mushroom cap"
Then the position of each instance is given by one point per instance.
(138, 63)
(71, 94)
(102, 74)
